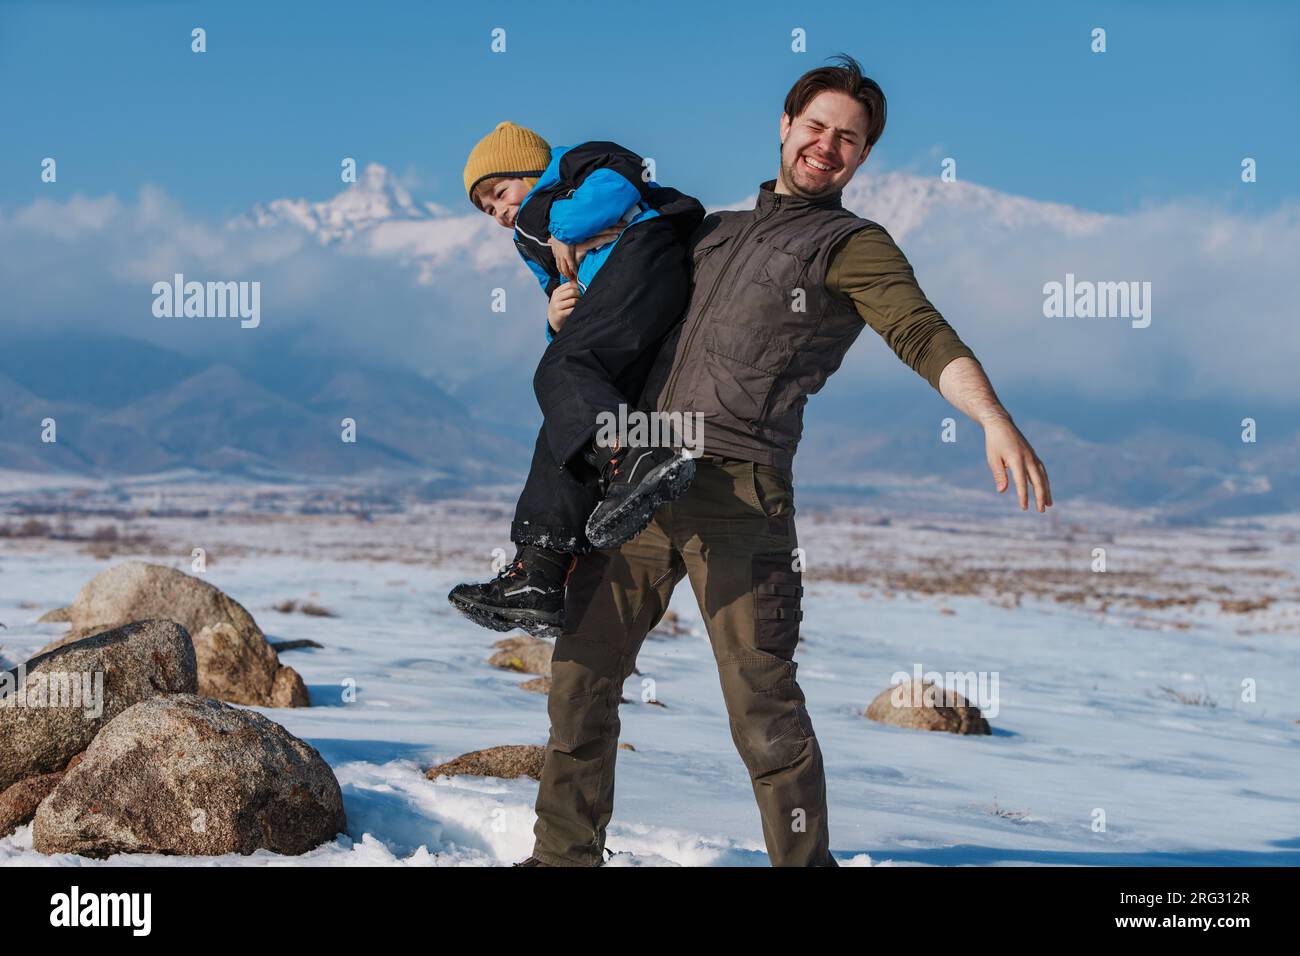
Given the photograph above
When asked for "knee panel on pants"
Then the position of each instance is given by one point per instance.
(583, 702)
(769, 722)
(580, 720)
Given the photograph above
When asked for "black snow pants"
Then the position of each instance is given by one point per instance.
(599, 358)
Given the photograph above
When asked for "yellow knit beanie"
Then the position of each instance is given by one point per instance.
(509, 150)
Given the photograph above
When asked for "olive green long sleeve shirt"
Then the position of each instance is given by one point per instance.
(872, 271)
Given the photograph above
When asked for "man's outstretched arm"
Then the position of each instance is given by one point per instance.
(873, 273)
(964, 384)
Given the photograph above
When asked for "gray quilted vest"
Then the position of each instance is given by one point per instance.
(761, 332)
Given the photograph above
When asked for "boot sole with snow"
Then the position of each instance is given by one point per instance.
(536, 623)
(633, 514)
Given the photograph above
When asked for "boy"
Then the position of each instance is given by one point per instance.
(609, 249)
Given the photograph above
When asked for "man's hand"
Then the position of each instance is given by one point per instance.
(965, 385)
(563, 301)
(567, 257)
(1005, 447)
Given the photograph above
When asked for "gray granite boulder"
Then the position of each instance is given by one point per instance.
(236, 663)
(68, 694)
(188, 775)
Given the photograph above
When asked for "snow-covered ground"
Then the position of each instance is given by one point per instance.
(1082, 726)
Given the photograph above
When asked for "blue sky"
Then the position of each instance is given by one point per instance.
(285, 90)
(159, 147)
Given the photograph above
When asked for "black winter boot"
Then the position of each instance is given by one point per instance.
(634, 482)
(528, 593)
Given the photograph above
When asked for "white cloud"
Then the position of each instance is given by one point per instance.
(71, 219)
(377, 274)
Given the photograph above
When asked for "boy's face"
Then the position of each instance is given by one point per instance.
(821, 148)
(501, 199)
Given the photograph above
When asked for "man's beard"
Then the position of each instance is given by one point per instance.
(790, 183)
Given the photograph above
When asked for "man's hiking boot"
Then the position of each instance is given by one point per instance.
(634, 482)
(527, 594)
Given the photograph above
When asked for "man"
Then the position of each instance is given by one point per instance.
(780, 293)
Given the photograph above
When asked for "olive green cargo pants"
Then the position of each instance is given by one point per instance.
(733, 534)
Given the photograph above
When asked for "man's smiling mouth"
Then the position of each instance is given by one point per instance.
(816, 164)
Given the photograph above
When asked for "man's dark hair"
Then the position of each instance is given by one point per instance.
(845, 77)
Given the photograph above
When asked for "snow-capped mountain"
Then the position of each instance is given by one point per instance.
(375, 198)
(376, 216)
(905, 203)
(379, 213)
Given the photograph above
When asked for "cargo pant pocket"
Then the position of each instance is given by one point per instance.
(778, 597)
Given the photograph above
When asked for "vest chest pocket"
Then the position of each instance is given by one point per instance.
(785, 267)
(708, 246)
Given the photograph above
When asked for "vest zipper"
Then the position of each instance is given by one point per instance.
(722, 274)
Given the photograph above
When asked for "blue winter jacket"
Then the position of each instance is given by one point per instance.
(584, 190)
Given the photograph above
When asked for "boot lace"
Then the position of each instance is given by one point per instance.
(610, 469)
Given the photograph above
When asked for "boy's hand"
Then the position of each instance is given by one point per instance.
(563, 301)
(567, 257)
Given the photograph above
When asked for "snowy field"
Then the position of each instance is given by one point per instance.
(1119, 692)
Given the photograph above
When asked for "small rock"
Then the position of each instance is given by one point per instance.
(528, 655)
(510, 761)
(279, 646)
(538, 685)
(19, 802)
(289, 690)
(938, 710)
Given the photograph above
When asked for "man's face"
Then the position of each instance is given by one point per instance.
(822, 147)
(502, 199)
